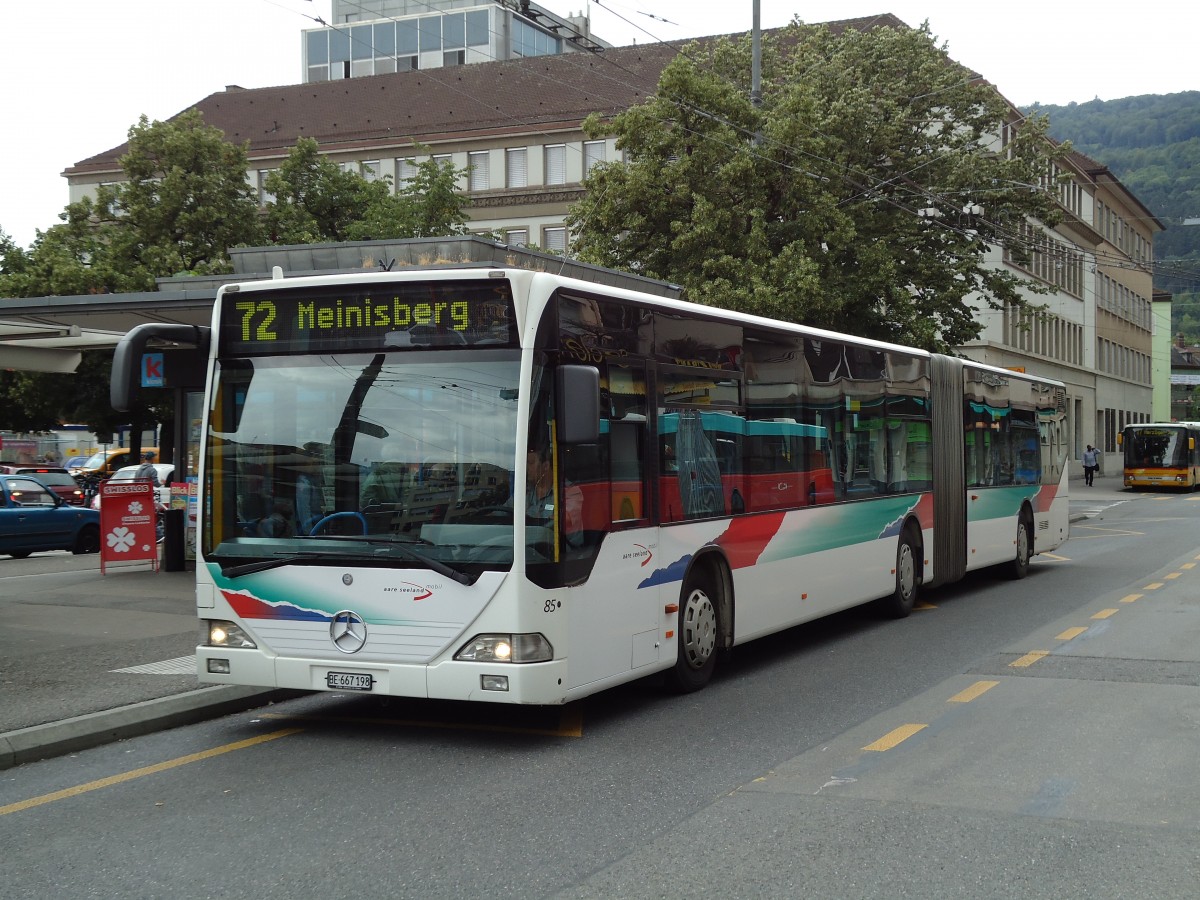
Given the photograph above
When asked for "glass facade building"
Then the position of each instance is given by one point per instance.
(398, 36)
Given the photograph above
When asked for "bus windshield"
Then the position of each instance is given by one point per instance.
(391, 458)
(1156, 447)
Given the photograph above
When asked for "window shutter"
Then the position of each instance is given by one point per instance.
(556, 164)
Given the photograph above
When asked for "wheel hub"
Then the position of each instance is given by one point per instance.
(699, 629)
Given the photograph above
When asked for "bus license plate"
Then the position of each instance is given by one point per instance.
(349, 681)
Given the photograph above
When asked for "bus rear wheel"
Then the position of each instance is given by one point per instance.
(698, 628)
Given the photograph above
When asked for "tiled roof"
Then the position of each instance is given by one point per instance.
(516, 96)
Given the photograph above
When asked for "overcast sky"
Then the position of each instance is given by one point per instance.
(81, 72)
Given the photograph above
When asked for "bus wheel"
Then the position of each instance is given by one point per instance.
(1019, 567)
(698, 628)
(899, 603)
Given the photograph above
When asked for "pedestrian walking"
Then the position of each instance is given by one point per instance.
(1091, 462)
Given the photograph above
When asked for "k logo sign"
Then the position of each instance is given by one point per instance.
(152, 370)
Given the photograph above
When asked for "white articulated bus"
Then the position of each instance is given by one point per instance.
(484, 482)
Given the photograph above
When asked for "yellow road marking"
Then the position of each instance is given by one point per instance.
(146, 770)
(1071, 633)
(1105, 613)
(892, 738)
(1153, 586)
(570, 724)
(923, 605)
(966, 696)
(1028, 659)
(1173, 575)
(1054, 556)
(1188, 566)
(1130, 598)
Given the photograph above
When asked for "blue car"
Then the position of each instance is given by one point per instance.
(33, 518)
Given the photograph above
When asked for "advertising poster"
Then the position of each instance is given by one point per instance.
(193, 514)
(127, 523)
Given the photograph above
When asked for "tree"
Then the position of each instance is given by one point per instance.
(317, 201)
(806, 208)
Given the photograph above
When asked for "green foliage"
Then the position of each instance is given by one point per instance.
(317, 201)
(816, 221)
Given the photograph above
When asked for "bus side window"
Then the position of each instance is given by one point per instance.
(626, 442)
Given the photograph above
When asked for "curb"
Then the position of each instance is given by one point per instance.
(83, 732)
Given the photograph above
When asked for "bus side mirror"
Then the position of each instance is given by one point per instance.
(1120, 440)
(577, 404)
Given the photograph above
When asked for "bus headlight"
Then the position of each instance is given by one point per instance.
(506, 648)
(226, 634)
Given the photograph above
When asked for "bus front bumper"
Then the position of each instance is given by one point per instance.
(532, 683)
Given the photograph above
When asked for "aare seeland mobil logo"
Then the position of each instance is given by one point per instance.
(641, 552)
(416, 592)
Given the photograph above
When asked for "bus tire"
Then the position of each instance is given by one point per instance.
(900, 602)
(1019, 567)
(698, 628)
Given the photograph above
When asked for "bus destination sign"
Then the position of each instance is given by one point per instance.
(357, 317)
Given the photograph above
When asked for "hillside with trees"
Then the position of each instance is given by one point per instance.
(1151, 143)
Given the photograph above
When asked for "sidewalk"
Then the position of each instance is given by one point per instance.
(86, 659)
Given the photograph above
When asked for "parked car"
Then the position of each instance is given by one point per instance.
(58, 480)
(165, 473)
(33, 518)
(103, 463)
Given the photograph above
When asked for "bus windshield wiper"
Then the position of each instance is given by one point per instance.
(404, 546)
(263, 564)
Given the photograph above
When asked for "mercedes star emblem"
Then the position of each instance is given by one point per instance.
(348, 631)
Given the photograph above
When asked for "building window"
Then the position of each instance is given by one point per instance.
(556, 164)
(454, 57)
(370, 169)
(478, 28)
(517, 237)
(479, 163)
(406, 37)
(406, 171)
(453, 36)
(593, 152)
(530, 41)
(429, 31)
(516, 167)
(265, 197)
(317, 43)
(555, 238)
(362, 52)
